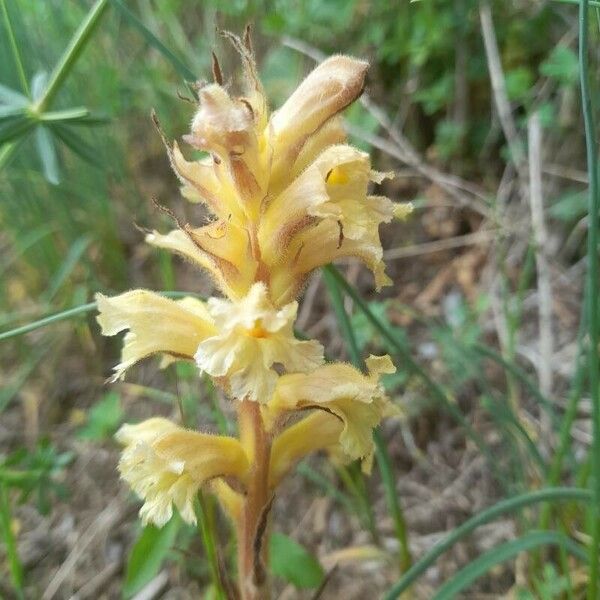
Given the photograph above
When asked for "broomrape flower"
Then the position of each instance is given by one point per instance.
(348, 406)
(165, 465)
(255, 336)
(286, 195)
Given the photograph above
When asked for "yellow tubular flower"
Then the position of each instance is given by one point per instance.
(165, 465)
(286, 193)
(357, 400)
(318, 431)
(156, 325)
(252, 337)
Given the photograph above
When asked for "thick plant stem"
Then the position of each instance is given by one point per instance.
(253, 521)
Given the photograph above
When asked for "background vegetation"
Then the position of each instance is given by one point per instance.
(476, 106)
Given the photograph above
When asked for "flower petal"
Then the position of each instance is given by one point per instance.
(165, 465)
(155, 325)
(317, 431)
(328, 89)
(356, 399)
(221, 248)
(253, 336)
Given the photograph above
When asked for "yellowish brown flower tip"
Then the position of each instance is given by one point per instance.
(356, 401)
(286, 193)
(154, 325)
(165, 465)
(254, 336)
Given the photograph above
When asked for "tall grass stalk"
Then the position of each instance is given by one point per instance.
(383, 458)
(14, 562)
(592, 291)
(508, 506)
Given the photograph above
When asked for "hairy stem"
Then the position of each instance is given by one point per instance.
(252, 525)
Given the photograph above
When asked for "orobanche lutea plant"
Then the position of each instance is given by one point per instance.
(288, 195)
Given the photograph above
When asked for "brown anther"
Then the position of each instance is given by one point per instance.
(216, 70)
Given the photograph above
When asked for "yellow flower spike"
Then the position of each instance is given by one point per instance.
(208, 182)
(156, 325)
(253, 336)
(222, 248)
(328, 89)
(325, 214)
(165, 465)
(357, 400)
(287, 194)
(317, 431)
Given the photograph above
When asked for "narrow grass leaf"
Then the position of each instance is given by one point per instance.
(76, 251)
(484, 563)
(508, 506)
(133, 20)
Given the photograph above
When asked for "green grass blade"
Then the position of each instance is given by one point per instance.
(76, 251)
(49, 320)
(437, 392)
(484, 563)
(511, 505)
(70, 313)
(14, 562)
(133, 20)
(383, 458)
(592, 291)
(594, 3)
(206, 527)
(522, 376)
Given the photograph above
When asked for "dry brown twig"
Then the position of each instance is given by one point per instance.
(540, 237)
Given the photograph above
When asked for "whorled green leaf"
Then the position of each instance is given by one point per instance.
(75, 143)
(294, 563)
(12, 97)
(47, 154)
(15, 127)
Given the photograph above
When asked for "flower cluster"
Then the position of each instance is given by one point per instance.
(287, 195)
